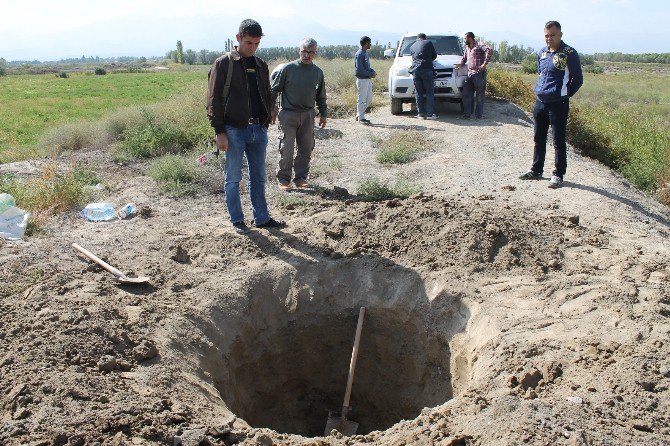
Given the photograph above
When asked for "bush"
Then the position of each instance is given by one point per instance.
(511, 87)
(52, 192)
(3, 66)
(62, 75)
(529, 64)
(400, 147)
(593, 68)
(176, 174)
(73, 136)
(375, 190)
(99, 71)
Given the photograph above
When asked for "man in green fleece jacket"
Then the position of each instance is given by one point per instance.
(301, 86)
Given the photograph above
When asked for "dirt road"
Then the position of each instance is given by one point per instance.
(499, 312)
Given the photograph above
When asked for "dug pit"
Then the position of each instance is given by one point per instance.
(280, 360)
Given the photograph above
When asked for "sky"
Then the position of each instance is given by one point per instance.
(51, 30)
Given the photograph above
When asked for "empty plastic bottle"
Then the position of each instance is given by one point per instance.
(127, 210)
(98, 212)
(6, 201)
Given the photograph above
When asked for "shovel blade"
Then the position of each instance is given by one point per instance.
(126, 279)
(343, 426)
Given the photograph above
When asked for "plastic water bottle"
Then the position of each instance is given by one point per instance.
(127, 210)
(6, 201)
(98, 212)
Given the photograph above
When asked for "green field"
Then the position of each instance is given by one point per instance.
(34, 103)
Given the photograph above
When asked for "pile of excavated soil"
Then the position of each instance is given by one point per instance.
(498, 312)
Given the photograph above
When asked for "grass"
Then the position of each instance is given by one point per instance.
(51, 193)
(618, 118)
(177, 175)
(400, 147)
(374, 189)
(41, 102)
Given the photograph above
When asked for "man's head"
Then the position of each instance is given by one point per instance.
(421, 36)
(249, 37)
(552, 34)
(366, 43)
(307, 50)
(469, 39)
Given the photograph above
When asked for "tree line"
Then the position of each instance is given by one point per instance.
(662, 58)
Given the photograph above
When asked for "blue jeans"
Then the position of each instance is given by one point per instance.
(251, 141)
(556, 115)
(424, 84)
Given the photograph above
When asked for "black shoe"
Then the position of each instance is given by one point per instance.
(272, 223)
(241, 227)
(531, 175)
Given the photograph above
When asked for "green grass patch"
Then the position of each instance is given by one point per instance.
(177, 175)
(290, 201)
(374, 189)
(41, 102)
(400, 147)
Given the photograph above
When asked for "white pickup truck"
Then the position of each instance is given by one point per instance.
(448, 82)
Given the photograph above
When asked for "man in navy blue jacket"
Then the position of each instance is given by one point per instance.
(560, 76)
(364, 75)
(423, 54)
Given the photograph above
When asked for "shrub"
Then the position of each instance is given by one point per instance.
(593, 68)
(511, 87)
(72, 136)
(400, 147)
(3, 66)
(99, 71)
(529, 64)
(176, 174)
(62, 75)
(375, 190)
(52, 192)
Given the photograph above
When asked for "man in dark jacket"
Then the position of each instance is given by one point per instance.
(423, 54)
(240, 121)
(560, 76)
(364, 74)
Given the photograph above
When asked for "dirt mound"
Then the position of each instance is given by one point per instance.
(498, 312)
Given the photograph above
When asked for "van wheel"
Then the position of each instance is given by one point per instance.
(396, 106)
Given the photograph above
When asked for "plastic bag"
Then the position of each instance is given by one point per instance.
(13, 223)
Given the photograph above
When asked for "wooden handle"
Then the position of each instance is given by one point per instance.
(98, 260)
(352, 365)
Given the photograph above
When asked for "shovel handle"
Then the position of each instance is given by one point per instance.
(98, 260)
(352, 365)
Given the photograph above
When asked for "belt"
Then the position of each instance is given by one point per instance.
(254, 121)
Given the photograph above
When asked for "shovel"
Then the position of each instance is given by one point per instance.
(120, 275)
(339, 421)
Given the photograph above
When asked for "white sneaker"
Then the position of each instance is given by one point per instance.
(555, 182)
(432, 117)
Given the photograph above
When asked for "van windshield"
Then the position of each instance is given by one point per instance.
(445, 45)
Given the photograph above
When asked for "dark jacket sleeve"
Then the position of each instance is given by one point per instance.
(433, 51)
(215, 83)
(363, 70)
(576, 78)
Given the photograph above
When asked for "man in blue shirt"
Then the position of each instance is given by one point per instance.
(560, 76)
(364, 75)
(423, 54)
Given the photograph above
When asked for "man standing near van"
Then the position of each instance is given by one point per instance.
(560, 76)
(301, 86)
(423, 54)
(240, 121)
(364, 75)
(477, 55)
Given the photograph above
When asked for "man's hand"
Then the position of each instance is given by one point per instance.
(374, 74)
(322, 121)
(273, 116)
(221, 141)
(458, 65)
(483, 67)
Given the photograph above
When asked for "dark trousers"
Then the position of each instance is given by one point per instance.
(424, 84)
(474, 91)
(556, 115)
